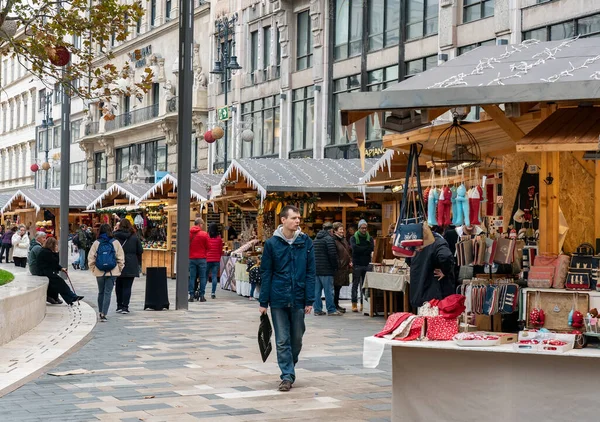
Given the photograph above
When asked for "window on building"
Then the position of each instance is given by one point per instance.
(349, 84)
(56, 136)
(348, 28)
(55, 178)
(422, 18)
(303, 118)
(25, 111)
(477, 9)
(5, 71)
(149, 157)
(18, 106)
(227, 71)
(155, 94)
(75, 131)
(263, 116)
(194, 151)
(76, 41)
(168, 9)
(12, 115)
(138, 26)
(420, 65)
(42, 100)
(58, 90)
(12, 69)
(152, 13)
(78, 173)
(378, 80)
(100, 168)
(254, 51)
(278, 52)
(266, 47)
(304, 41)
(588, 26)
(384, 23)
(466, 48)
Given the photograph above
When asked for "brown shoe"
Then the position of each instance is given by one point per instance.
(285, 385)
(360, 308)
(354, 307)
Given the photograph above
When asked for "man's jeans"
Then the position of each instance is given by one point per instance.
(288, 324)
(358, 277)
(324, 282)
(82, 261)
(213, 267)
(197, 269)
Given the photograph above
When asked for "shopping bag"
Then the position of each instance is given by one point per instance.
(265, 330)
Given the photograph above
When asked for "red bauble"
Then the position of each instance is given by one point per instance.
(59, 56)
(34, 167)
(208, 137)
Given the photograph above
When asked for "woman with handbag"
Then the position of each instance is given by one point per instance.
(344, 254)
(132, 247)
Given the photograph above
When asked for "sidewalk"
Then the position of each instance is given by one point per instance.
(204, 364)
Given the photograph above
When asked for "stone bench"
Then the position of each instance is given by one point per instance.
(22, 304)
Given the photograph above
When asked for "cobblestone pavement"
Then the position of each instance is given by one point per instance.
(204, 364)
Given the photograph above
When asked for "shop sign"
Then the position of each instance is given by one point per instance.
(216, 191)
(375, 152)
(138, 56)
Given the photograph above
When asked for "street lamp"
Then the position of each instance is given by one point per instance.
(47, 123)
(226, 60)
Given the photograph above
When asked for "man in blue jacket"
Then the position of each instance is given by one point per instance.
(288, 286)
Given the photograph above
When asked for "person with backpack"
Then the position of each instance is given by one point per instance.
(132, 247)
(106, 260)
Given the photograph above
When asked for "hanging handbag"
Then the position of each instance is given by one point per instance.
(411, 228)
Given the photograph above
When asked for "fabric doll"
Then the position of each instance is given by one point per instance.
(432, 202)
(454, 206)
(475, 196)
(444, 207)
(462, 205)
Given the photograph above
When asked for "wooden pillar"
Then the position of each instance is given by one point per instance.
(549, 203)
(344, 218)
(597, 202)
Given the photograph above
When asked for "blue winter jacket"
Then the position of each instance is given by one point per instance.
(287, 272)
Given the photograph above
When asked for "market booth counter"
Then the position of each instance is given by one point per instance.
(539, 123)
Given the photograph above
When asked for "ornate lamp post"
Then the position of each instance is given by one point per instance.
(47, 123)
(226, 60)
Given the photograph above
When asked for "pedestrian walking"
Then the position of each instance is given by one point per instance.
(213, 257)
(7, 244)
(133, 250)
(20, 242)
(198, 248)
(344, 255)
(326, 262)
(106, 261)
(362, 245)
(83, 239)
(49, 266)
(288, 287)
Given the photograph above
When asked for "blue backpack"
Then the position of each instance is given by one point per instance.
(106, 257)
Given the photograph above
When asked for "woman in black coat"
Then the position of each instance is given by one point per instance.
(132, 247)
(48, 263)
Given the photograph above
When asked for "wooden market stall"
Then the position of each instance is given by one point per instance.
(539, 118)
(159, 207)
(31, 206)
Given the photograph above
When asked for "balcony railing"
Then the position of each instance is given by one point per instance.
(132, 118)
(92, 128)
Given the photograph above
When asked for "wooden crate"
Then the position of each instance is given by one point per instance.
(556, 307)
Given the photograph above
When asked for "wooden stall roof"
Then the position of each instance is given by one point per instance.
(567, 129)
(267, 175)
(50, 198)
(532, 71)
(5, 198)
(200, 183)
(131, 191)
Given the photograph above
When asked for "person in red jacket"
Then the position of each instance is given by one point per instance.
(213, 257)
(198, 248)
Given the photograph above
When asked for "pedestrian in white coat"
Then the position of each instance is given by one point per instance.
(20, 242)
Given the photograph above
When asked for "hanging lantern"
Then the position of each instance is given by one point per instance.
(247, 135)
(34, 167)
(59, 56)
(45, 166)
(218, 132)
(456, 148)
(208, 137)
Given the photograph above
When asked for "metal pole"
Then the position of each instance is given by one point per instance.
(184, 158)
(48, 116)
(65, 172)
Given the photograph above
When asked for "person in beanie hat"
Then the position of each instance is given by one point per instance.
(362, 245)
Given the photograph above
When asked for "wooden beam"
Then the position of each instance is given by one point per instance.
(350, 117)
(543, 222)
(507, 125)
(597, 202)
(563, 147)
(588, 166)
(554, 202)
(429, 114)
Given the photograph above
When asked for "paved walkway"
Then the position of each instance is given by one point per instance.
(204, 364)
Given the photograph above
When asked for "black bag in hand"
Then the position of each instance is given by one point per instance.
(264, 337)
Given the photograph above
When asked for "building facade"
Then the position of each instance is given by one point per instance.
(298, 56)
